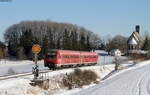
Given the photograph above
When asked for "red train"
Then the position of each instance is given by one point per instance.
(63, 58)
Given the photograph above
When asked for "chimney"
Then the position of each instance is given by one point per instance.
(137, 28)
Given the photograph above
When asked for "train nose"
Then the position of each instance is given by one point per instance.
(50, 63)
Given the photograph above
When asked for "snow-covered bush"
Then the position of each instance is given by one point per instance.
(136, 56)
(78, 78)
(44, 84)
(117, 62)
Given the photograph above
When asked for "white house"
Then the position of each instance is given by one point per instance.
(115, 52)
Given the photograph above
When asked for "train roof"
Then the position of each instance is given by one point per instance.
(67, 50)
(84, 52)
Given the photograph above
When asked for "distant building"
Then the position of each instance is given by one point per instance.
(115, 52)
(134, 42)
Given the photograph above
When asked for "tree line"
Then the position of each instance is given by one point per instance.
(49, 35)
(52, 35)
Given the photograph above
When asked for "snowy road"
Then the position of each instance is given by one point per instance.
(132, 82)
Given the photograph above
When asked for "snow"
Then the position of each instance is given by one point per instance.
(132, 42)
(18, 66)
(19, 86)
(131, 81)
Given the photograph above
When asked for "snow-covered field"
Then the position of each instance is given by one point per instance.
(8, 67)
(104, 58)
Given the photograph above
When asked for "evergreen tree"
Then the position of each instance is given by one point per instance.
(146, 45)
(66, 39)
(51, 40)
(82, 44)
(58, 43)
(74, 40)
(35, 40)
(20, 53)
(12, 49)
(88, 46)
(27, 41)
(44, 46)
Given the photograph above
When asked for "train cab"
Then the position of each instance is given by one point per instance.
(50, 59)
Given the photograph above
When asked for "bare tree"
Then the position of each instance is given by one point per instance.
(117, 42)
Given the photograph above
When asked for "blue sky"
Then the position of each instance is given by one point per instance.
(104, 17)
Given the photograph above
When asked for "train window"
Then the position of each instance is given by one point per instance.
(51, 56)
(74, 56)
(89, 56)
(70, 56)
(65, 56)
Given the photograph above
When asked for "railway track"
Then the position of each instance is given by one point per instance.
(21, 74)
(30, 73)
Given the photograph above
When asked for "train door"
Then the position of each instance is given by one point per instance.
(59, 58)
(81, 58)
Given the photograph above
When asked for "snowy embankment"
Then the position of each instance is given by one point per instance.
(21, 86)
(131, 81)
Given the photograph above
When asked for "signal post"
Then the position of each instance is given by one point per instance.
(36, 49)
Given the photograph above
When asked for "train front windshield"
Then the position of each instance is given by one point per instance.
(51, 55)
